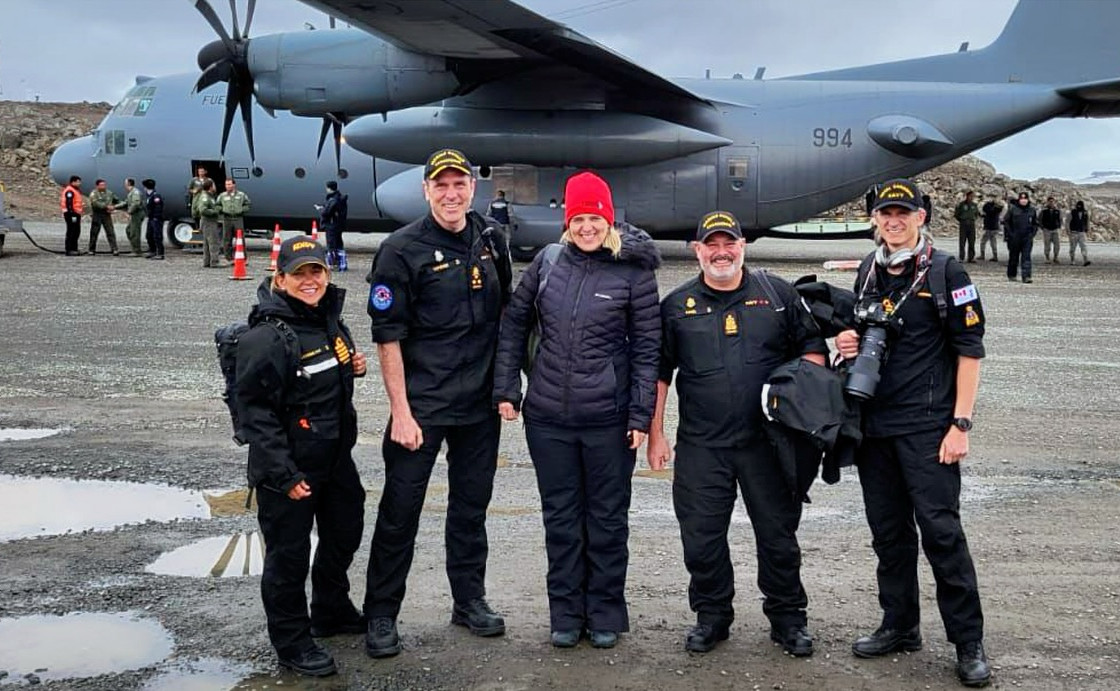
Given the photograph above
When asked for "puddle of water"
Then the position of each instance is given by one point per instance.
(206, 674)
(7, 434)
(227, 556)
(80, 645)
(54, 506)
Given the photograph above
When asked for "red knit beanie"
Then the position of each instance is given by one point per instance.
(587, 193)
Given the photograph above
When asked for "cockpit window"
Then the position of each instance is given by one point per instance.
(136, 102)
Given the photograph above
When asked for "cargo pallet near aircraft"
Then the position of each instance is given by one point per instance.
(530, 100)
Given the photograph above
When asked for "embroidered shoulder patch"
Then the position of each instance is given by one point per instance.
(381, 297)
(965, 294)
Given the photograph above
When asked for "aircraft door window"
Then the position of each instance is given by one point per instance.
(737, 170)
(118, 142)
(343, 173)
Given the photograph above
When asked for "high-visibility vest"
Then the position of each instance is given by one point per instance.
(77, 199)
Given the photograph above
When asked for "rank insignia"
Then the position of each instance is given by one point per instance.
(730, 326)
(888, 306)
(690, 305)
(438, 256)
(476, 278)
(971, 318)
(340, 350)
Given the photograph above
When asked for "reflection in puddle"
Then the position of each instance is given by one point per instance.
(207, 674)
(53, 506)
(240, 554)
(80, 645)
(25, 434)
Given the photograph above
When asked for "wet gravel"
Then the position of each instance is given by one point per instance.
(117, 352)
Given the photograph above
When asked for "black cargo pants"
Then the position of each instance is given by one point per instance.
(584, 477)
(337, 508)
(705, 483)
(902, 481)
(472, 458)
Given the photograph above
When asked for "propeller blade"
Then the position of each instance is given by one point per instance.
(249, 16)
(336, 122)
(323, 136)
(211, 17)
(231, 106)
(217, 72)
(245, 102)
(233, 13)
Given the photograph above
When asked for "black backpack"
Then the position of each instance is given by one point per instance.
(226, 339)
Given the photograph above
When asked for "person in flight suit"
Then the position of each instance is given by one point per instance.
(296, 411)
(723, 333)
(153, 207)
(915, 428)
(209, 215)
(70, 201)
(1019, 227)
(134, 206)
(194, 187)
(102, 201)
(233, 204)
(438, 287)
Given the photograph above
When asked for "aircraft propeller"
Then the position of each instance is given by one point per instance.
(226, 60)
(335, 122)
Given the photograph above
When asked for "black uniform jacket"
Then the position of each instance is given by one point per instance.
(725, 344)
(600, 335)
(1020, 222)
(440, 294)
(918, 388)
(298, 422)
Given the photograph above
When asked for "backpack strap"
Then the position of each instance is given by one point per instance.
(937, 282)
(291, 345)
(549, 255)
(768, 288)
(502, 261)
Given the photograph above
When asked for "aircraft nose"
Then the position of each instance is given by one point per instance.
(75, 157)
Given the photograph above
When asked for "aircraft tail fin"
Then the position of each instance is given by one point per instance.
(1071, 43)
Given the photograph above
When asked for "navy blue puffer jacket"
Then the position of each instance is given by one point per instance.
(600, 337)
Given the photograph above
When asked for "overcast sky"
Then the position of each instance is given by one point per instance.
(75, 50)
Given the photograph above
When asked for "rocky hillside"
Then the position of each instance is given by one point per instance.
(947, 185)
(30, 132)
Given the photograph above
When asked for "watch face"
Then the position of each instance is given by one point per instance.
(963, 424)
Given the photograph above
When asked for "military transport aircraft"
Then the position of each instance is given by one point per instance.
(529, 100)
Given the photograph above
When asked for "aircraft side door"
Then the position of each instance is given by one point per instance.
(737, 177)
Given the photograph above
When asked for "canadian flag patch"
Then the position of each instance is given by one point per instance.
(964, 294)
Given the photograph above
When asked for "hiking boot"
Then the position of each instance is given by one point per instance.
(972, 664)
(795, 640)
(603, 639)
(381, 637)
(885, 641)
(703, 637)
(477, 616)
(565, 639)
(312, 661)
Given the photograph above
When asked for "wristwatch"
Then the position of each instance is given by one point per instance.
(964, 424)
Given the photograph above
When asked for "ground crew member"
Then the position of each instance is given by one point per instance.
(1050, 218)
(153, 207)
(206, 208)
(1019, 227)
(332, 218)
(234, 204)
(134, 205)
(966, 213)
(723, 333)
(70, 200)
(102, 201)
(1078, 229)
(499, 211)
(916, 434)
(991, 211)
(193, 187)
(301, 430)
(438, 287)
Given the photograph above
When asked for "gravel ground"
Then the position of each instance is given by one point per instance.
(117, 353)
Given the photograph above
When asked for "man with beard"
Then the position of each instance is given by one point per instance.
(724, 332)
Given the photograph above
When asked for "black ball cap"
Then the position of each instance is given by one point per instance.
(447, 159)
(300, 250)
(898, 192)
(718, 222)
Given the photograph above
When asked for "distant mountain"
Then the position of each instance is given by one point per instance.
(1098, 177)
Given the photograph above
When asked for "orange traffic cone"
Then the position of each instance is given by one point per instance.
(276, 242)
(239, 272)
(314, 232)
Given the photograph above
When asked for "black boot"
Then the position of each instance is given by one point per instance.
(477, 616)
(703, 637)
(972, 664)
(886, 641)
(381, 637)
(795, 640)
(345, 623)
(312, 661)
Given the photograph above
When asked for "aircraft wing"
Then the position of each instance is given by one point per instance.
(500, 31)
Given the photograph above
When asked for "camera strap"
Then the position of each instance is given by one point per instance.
(922, 264)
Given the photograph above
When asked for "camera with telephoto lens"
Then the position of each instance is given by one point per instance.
(875, 325)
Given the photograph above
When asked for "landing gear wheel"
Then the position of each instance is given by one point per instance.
(179, 233)
(524, 254)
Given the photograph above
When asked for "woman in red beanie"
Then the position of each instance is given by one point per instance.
(589, 401)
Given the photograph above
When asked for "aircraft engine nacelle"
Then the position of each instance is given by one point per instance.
(312, 73)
